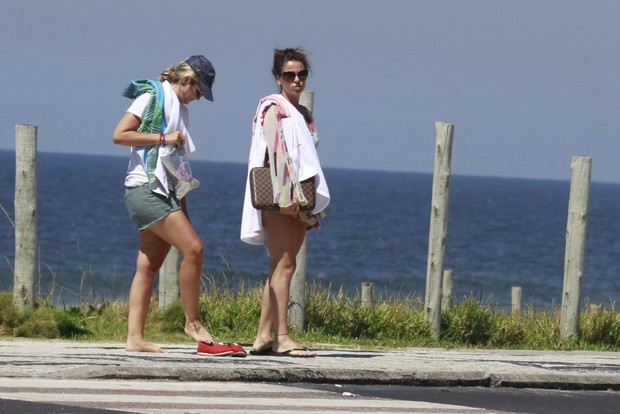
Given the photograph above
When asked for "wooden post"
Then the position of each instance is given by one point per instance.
(596, 308)
(574, 257)
(297, 300)
(297, 297)
(169, 279)
(25, 215)
(516, 295)
(368, 294)
(447, 289)
(438, 225)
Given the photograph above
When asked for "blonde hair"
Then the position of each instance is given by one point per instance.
(175, 74)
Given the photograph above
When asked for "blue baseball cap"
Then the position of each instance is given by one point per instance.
(206, 73)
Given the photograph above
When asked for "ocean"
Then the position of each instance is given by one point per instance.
(502, 232)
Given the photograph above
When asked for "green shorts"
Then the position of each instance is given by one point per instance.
(146, 207)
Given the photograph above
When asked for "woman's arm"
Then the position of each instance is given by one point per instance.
(126, 133)
(269, 127)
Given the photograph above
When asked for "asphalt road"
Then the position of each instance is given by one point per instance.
(527, 400)
(26, 407)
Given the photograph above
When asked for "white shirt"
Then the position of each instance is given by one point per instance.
(302, 150)
(177, 119)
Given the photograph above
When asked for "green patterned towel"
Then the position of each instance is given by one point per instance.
(153, 120)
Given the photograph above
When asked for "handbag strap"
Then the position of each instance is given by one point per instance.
(266, 160)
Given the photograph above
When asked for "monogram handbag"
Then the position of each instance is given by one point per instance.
(261, 190)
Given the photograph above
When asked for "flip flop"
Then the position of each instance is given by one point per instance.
(288, 353)
(262, 352)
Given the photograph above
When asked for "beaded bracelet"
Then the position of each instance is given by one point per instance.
(162, 139)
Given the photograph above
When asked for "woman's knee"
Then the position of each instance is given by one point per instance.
(146, 270)
(148, 266)
(194, 250)
(286, 267)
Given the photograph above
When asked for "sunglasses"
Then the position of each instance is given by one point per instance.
(290, 76)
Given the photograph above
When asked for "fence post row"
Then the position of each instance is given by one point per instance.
(574, 257)
(436, 278)
(438, 225)
(25, 215)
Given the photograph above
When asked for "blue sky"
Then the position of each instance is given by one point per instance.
(527, 84)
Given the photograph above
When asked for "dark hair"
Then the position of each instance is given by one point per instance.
(281, 56)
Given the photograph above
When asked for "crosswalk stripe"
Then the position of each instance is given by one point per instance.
(193, 397)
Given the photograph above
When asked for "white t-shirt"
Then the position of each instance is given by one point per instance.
(136, 174)
(177, 119)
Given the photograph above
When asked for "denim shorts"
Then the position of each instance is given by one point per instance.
(146, 207)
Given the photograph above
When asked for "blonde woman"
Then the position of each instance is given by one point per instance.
(154, 125)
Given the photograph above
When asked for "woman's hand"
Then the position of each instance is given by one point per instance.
(175, 138)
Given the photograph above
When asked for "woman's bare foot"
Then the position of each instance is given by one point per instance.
(140, 345)
(198, 332)
(261, 346)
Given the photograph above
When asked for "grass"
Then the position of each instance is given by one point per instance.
(392, 323)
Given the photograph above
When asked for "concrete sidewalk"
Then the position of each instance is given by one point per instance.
(414, 366)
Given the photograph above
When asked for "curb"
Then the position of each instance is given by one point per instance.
(601, 382)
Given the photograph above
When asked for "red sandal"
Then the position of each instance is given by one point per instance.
(237, 349)
(214, 349)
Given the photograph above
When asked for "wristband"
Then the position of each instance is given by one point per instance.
(162, 139)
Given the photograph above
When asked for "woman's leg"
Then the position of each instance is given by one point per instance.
(285, 235)
(265, 324)
(177, 230)
(153, 251)
(263, 339)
